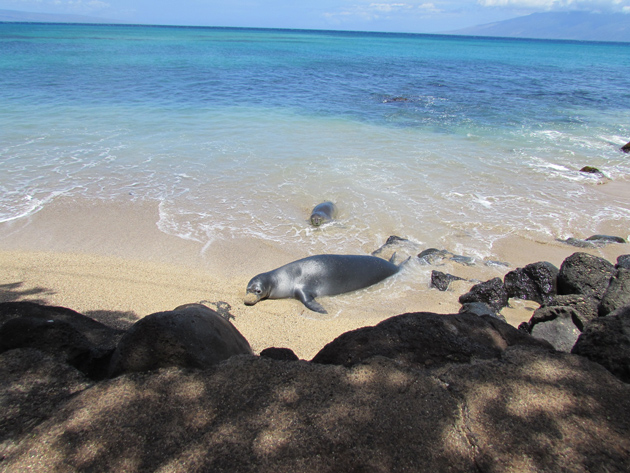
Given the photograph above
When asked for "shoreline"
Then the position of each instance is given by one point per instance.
(108, 260)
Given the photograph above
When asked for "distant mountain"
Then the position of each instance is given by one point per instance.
(580, 26)
(27, 17)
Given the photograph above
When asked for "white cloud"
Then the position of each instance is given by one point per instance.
(547, 5)
(387, 7)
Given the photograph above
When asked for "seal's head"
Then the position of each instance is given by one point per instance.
(257, 290)
(317, 219)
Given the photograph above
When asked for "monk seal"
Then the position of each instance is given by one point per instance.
(320, 275)
(322, 213)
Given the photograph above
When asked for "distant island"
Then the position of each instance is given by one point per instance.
(580, 26)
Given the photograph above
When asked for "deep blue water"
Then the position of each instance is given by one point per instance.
(447, 140)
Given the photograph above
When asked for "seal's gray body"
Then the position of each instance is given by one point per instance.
(320, 275)
(322, 213)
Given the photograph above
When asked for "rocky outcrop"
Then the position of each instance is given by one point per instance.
(525, 410)
(582, 273)
(491, 292)
(585, 309)
(606, 340)
(626, 148)
(556, 325)
(535, 282)
(617, 294)
(445, 386)
(33, 385)
(426, 339)
(191, 336)
(65, 334)
(284, 354)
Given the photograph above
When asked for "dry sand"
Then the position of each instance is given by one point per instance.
(108, 260)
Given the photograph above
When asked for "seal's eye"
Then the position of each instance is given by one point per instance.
(258, 291)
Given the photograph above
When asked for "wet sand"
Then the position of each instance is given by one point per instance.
(109, 260)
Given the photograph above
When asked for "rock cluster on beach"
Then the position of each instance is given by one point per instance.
(181, 390)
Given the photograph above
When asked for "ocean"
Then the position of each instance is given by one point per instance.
(451, 142)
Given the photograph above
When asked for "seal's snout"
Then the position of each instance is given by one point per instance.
(316, 221)
(251, 298)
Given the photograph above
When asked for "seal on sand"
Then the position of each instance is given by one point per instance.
(320, 275)
(322, 213)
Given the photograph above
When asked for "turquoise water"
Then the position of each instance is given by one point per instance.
(449, 141)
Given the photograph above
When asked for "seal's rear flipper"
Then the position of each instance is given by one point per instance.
(309, 301)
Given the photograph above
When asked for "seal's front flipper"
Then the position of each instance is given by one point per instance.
(309, 301)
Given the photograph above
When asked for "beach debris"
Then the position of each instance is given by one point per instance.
(323, 213)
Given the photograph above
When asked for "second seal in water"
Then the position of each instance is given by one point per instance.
(322, 213)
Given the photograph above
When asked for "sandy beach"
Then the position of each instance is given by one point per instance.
(109, 260)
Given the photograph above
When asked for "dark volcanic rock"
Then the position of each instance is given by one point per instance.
(535, 282)
(529, 410)
(491, 292)
(441, 281)
(606, 340)
(556, 326)
(585, 307)
(56, 338)
(594, 241)
(626, 148)
(606, 239)
(623, 261)
(519, 413)
(618, 293)
(427, 339)
(191, 336)
(578, 243)
(98, 334)
(582, 273)
(480, 309)
(285, 354)
(32, 386)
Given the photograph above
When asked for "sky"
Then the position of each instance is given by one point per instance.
(412, 16)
